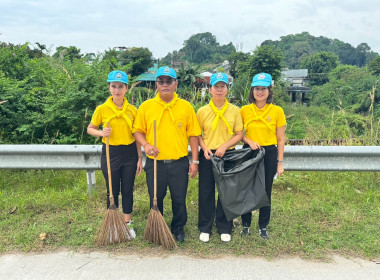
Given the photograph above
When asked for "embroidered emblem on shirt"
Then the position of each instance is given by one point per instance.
(179, 125)
(269, 119)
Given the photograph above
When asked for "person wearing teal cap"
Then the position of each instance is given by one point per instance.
(264, 125)
(222, 129)
(125, 152)
(176, 128)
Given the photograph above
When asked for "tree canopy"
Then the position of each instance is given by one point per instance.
(296, 46)
(138, 60)
(201, 48)
(263, 59)
(320, 64)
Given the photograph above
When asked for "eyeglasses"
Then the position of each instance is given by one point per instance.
(168, 82)
(260, 89)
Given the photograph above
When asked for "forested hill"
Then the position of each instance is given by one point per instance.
(298, 46)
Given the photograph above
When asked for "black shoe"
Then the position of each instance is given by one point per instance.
(245, 231)
(263, 233)
(180, 237)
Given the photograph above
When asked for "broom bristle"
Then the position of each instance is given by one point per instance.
(113, 228)
(158, 232)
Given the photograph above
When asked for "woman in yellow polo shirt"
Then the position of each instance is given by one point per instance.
(125, 152)
(264, 125)
(222, 129)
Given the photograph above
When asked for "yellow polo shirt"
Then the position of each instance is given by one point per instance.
(121, 134)
(261, 124)
(174, 127)
(214, 138)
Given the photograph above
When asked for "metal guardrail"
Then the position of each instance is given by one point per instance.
(87, 157)
(332, 158)
(69, 157)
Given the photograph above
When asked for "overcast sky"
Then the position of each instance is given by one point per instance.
(162, 26)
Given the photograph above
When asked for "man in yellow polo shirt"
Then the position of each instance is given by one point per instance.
(177, 126)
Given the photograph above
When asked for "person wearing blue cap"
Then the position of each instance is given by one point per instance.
(264, 125)
(177, 126)
(222, 129)
(125, 152)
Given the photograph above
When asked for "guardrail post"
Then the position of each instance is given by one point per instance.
(91, 181)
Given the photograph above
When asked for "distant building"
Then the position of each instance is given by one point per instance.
(148, 78)
(205, 82)
(225, 65)
(120, 49)
(298, 80)
(176, 65)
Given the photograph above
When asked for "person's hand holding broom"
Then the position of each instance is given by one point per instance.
(113, 228)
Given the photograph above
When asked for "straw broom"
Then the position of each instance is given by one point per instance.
(156, 230)
(113, 228)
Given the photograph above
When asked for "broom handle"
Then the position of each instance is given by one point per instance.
(112, 201)
(155, 167)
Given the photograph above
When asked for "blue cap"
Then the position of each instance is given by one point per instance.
(166, 71)
(218, 77)
(118, 76)
(262, 79)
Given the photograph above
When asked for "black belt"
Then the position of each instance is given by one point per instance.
(167, 161)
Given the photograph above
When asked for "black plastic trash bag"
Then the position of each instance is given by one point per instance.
(240, 179)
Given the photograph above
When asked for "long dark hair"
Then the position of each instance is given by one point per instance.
(251, 96)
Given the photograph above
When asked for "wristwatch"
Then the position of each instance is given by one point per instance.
(195, 161)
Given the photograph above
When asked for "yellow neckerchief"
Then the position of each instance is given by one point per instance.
(167, 106)
(219, 114)
(118, 113)
(259, 118)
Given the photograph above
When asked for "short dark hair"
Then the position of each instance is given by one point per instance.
(251, 96)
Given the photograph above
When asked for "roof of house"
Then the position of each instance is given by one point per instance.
(206, 74)
(150, 77)
(295, 73)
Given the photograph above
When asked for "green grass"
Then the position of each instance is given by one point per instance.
(314, 214)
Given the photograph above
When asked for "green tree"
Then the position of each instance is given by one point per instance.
(319, 65)
(348, 89)
(296, 46)
(110, 57)
(203, 48)
(138, 60)
(70, 53)
(264, 59)
(13, 60)
(374, 66)
(234, 59)
(187, 76)
(200, 47)
(170, 57)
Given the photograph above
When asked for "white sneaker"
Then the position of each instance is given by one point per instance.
(204, 237)
(225, 237)
(131, 230)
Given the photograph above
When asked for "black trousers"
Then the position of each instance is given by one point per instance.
(176, 176)
(270, 165)
(206, 200)
(123, 161)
